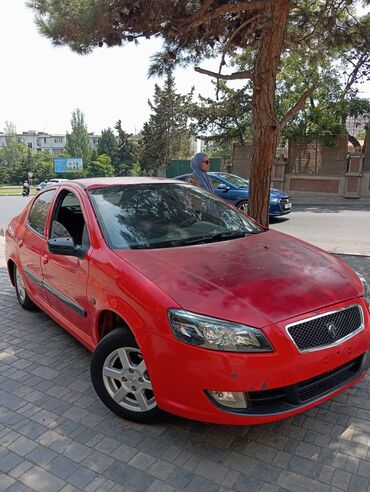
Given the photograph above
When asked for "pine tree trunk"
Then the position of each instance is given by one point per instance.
(266, 126)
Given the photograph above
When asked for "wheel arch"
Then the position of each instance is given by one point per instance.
(11, 265)
(107, 321)
(240, 201)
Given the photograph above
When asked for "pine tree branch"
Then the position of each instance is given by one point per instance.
(204, 8)
(297, 106)
(354, 75)
(231, 8)
(246, 74)
(227, 45)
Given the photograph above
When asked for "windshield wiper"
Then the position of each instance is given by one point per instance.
(219, 236)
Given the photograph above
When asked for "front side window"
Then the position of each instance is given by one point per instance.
(39, 211)
(67, 219)
(165, 215)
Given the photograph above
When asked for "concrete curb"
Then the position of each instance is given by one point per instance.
(357, 255)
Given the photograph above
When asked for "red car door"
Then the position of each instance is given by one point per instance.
(32, 243)
(66, 277)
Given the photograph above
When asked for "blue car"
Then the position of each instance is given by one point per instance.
(234, 189)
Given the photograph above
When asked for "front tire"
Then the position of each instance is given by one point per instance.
(20, 289)
(243, 206)
(120, 378)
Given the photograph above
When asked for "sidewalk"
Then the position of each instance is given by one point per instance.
(326, 199)
(56, 436)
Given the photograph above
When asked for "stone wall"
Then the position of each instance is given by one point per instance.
(307, 156)
(366, 151)
(241, 160)
(314, 168)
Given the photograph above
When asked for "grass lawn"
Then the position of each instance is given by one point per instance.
(13, 191)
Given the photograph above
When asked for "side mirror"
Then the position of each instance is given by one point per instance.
(65, 246)
(223, 187)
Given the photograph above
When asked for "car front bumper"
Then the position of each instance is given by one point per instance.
(276, 385)
(283, 207)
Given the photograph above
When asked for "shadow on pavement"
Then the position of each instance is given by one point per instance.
(278, 220)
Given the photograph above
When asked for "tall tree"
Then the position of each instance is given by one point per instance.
(77, 142)
(108, 145)
(127, 150)
(101, 166)
(13, 157)
(326, 110)
(193, 31)
(166, 136)
(42, 166)
(226, 119)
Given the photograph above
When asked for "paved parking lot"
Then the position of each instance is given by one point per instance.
(55, 435)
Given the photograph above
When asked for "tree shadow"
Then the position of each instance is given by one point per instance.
(278, 220)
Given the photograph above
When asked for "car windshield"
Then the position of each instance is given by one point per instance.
(234, 180)
(163, 215)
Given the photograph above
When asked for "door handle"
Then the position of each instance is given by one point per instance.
(45, 259)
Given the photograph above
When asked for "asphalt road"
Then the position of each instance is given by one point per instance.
(337, 227)
(11, 206)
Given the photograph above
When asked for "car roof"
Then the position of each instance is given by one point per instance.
(90, 183)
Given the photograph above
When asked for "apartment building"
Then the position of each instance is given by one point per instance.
(45, 142)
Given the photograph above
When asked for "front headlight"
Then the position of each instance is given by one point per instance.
(366, 289)
(216, 334)
(275, 200)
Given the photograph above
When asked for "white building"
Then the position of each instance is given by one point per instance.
(45, 142)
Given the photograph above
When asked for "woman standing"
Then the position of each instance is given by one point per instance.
(200, 165)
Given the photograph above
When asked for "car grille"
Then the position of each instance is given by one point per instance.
(328, 329)
(285, 204)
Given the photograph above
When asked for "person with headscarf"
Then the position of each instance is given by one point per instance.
(200, 165)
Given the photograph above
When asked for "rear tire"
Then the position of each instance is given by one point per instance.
(20, 289)
(120, 379)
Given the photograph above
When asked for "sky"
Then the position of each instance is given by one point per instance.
(40, 85)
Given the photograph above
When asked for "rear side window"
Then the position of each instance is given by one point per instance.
(39, 211)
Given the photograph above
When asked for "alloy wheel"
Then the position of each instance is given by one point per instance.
(127, 381)
(21, 289)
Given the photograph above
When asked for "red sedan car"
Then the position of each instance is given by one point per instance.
(187, 304)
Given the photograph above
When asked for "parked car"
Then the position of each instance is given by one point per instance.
(188, 305)
(41, 185)
(234, 189)
(51, 181)
(55, 180)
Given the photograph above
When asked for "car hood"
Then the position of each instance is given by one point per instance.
(274, 193)
(260, 279)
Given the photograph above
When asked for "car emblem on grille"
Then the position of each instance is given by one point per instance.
(332, 330)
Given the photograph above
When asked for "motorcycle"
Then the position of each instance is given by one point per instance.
(26, 191)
